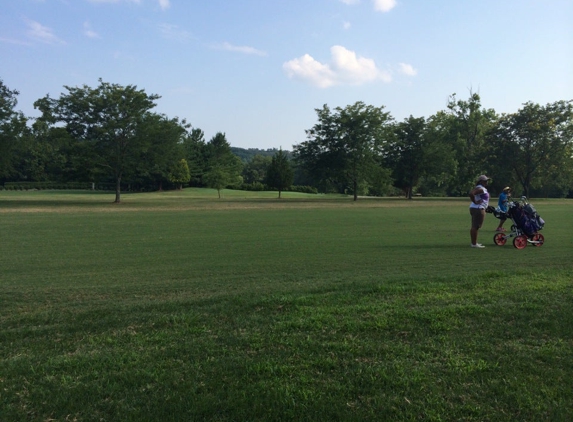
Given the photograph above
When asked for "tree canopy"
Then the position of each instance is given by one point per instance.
(223, 167)
(12, 128)
(279, 173)
(108, 118)
(346, 144)
(536, 143)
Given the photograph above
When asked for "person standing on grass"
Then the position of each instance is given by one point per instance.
(480, 201)
(502, 204)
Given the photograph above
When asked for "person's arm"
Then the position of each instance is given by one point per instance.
(476, 192)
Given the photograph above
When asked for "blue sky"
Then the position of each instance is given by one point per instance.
(257, 69)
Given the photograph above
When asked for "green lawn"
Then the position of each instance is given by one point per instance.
(180, 306)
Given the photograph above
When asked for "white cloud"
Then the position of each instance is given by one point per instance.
(310, 70)
(38, 32)
(240, 49)
(384, 5)
(379, 5)
(407, 69)
(346, 68)
(89, 32)
(164, 4)
(346, 25)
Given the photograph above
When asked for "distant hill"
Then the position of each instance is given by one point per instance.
(247, 155)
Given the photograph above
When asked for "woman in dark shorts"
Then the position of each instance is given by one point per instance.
(480, 200)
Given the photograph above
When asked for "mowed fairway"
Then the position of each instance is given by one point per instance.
(179, 306)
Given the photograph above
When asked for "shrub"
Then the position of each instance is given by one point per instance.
(255, 186)
(303, 189)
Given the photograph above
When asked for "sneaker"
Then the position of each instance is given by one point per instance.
(478, 245)
(500, 229)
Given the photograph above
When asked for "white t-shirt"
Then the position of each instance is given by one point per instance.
(483, 197)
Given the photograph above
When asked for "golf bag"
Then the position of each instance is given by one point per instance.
(525, 218)
(525, 227)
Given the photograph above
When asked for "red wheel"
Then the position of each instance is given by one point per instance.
(520, 242)
(499, 239)
(538, 239)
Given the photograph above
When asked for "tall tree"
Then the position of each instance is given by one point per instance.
(51, 154)
(12, 128)
(537, 140)
(195, 152)
(406, 152)
(468, 125)
(279, 173)
(345, 146)
(223, 167)
(163, 137)
(180, 173)
(107, 117)
(439, 164)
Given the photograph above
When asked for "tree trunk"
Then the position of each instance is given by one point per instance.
(279, 194)
(160, 186)
(355, 183)
(118, 190)
(411, 188)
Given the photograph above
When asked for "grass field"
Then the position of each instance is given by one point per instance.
(178, 306)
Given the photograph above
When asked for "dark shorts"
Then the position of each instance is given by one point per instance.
(478, 215)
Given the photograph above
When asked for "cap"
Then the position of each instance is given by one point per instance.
(506, 188)
(483, 178)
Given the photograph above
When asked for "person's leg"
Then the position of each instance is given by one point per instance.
(474, 235)
(478, 216)
(501, 222)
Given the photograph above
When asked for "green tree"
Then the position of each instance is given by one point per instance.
(467, 127)
(70, 159)
(223, 167)
(255, 171)
(35, 158)
(49, 154)
(406, 154)
(247, 155)
(279, 173)
(217, 178)
(108, 118)
(346, 145)
(163, 138)
(537, 142)
(195, 152)
(439, 164)
(180, 173)
(218, 152)
(12, 128)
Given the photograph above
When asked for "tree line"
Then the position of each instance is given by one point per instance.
(110, 134)
(363, 150)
